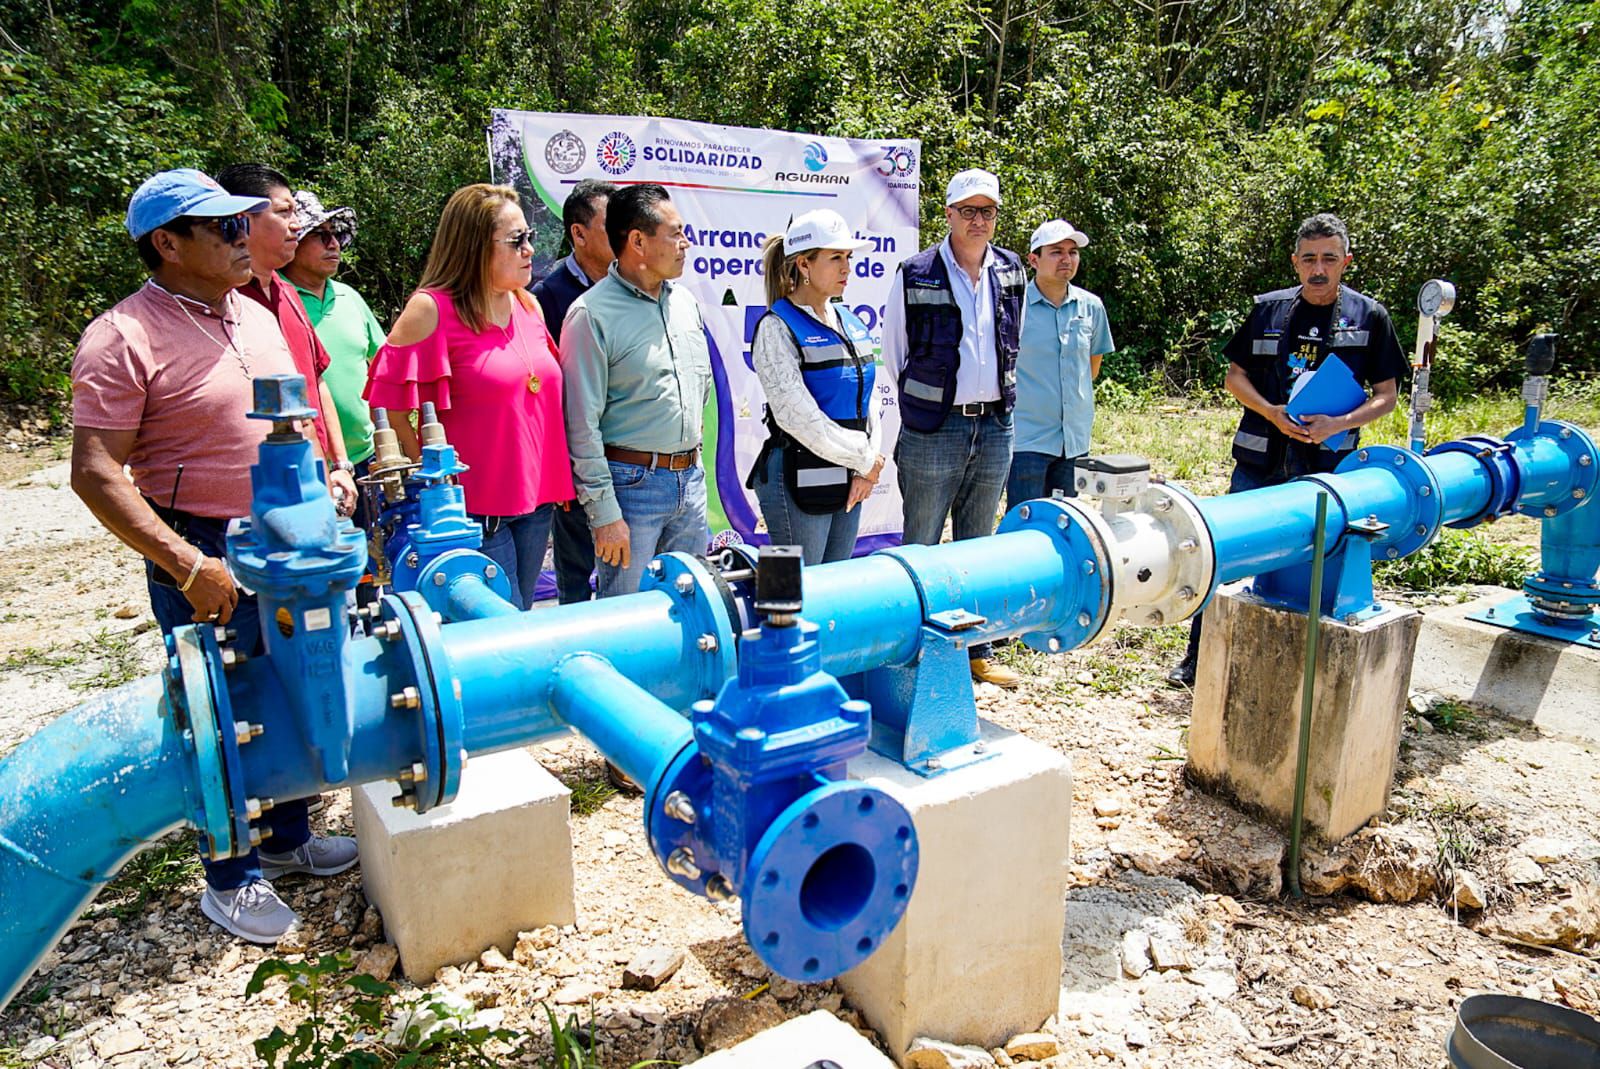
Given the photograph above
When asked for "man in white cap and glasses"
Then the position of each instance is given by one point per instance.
(951, 329)
(161, 383)
(1065, 335)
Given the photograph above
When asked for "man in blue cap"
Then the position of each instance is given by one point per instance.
(160, 385)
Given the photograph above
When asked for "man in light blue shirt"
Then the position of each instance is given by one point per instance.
(636, 375)
(1065, 335)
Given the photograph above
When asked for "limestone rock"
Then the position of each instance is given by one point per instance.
(1547, 851)
(492, 960)
(1468, 893)
(1323, 872)
(1136, 1035)
(120, 1039)
(1171, 1000)
(1522, 870)
(1572, 923)
(1135, 953)
(1107, 807)
(1032, 1046)
(927, 1053)
(651, 967)
(379, 961)
(1388, 864)
(1312, 996)
(577, 993)
(38, 1048)
(1167, 954)
(1249, 857)
(727, 1020)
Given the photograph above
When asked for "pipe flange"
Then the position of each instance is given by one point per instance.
(1494, 455)
(666, 829)
(443, 571)
(701, 612)
(829, 881)
(1583, 465)
(1084, 541)
(197, 685)
(1410, 533)
(1173, 515)
(439, 713)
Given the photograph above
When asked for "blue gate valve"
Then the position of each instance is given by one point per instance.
(824, 867)
(301, 559)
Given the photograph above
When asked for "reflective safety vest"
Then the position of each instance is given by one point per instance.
(933, 334)
(837, 368)
(1258, 442)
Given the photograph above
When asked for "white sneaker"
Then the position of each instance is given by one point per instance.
(253, 912)
(320, 855)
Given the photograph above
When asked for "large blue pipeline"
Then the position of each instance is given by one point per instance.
(734, 701)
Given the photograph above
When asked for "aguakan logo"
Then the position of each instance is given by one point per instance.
(816, 156)
(898, 161)
(564, 152)
(615, 153)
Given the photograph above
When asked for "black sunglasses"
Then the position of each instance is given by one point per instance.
(517, 240)
(230, 228)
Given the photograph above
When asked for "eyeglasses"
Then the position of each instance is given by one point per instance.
(517, 239)
(229, 228)
(973, 211)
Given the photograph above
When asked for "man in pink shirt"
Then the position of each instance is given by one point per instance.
(161, 384)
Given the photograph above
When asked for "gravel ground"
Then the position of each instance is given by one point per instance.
(1239, 976)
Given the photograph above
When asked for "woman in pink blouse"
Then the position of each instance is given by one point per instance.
(472, 340)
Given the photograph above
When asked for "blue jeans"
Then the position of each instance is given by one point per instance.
(574, 554)
(666, 513)
(287, 821)
(1040, 475)
(517, 544)
(820, 538)
(957, 471)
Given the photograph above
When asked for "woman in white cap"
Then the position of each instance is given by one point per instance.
(815, 362)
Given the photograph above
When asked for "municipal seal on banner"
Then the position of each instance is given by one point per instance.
(564, 152)
(615, 153)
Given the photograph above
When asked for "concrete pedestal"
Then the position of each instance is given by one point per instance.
(818, 1038)
(453, 881)
(1245, 728)
(1553, 685)
(977, 957)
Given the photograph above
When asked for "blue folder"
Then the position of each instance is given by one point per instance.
(1330, 390)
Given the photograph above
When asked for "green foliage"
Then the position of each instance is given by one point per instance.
(1457, 558)
(1453, 718)
(170, 865)
(429, 1033)
(1186, 136)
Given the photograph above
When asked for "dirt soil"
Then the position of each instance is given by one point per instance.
(1242, 974)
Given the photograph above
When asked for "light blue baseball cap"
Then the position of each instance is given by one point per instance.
(166, 196)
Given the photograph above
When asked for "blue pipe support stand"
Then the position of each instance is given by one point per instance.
(301, 559)
(758, 806)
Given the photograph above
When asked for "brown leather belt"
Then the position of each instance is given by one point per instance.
(670, 461)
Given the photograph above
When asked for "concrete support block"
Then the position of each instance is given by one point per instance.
(1553, 685)
(456, 880)
(818, 1038)
(1245, 729)
(977, 957)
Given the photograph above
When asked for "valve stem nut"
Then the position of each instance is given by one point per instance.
(678, 806)
(681, 863)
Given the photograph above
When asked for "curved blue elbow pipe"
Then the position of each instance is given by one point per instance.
(77, 800)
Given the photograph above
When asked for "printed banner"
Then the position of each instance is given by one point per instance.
(733, 186)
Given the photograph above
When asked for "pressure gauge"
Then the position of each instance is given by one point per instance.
(1436, 298)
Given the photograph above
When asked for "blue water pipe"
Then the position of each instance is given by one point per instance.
(739, 718)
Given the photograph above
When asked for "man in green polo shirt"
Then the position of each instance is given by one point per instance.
(342, 320)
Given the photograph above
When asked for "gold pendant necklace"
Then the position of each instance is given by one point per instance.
(227, 344)
(534, 382)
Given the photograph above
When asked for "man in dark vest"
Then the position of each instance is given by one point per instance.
(583, 222)
(1288, 335)
(950, 332)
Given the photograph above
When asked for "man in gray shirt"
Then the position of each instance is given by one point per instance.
(637, 374)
